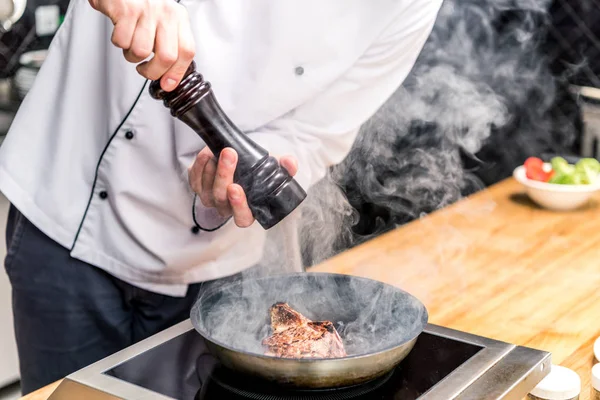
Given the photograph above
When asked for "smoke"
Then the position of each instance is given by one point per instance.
(361, 310)
(480, 99)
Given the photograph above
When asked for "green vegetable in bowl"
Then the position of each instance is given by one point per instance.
(561, 179)
(585, 172)
(560, 166)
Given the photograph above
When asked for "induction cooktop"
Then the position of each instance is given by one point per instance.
(444, 364)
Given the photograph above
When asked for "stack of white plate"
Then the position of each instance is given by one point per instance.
(31, 63)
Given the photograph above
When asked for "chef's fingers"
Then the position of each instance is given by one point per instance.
(208, 179)
(95, 4)
(116, 9)
(165, 53)
(185, 53)
(290, 164)
(196, 171)
(142, 43)
(122, 35)
(224, 177)
(169, 47)
(239, 205)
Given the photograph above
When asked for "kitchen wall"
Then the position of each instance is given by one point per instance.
(573, 45)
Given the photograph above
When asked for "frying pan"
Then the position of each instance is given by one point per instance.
(378, 323)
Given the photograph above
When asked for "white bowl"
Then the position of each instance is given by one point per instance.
(553, 196)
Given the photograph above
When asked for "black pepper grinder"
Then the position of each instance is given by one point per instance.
(271, 192)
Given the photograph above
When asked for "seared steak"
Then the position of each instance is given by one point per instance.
(284, 317)
(295, 336)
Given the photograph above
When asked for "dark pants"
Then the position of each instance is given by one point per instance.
(69, 314)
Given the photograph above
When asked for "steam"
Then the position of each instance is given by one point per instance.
(361, 310)
(479, 101)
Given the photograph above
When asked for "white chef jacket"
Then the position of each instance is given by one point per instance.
(101, 168)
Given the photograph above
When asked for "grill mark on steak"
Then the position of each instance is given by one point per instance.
(295, 336)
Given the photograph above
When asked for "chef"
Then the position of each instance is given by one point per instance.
(103, 249)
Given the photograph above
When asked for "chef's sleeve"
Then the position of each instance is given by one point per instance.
(320, 133)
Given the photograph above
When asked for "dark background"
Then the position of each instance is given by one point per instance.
(568, 42)
(22, 37)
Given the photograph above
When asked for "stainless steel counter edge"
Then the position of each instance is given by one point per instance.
(91, 382)
(498, 371)
(511, 378)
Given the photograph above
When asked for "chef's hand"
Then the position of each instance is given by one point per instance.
(212, 180)
(143, 27)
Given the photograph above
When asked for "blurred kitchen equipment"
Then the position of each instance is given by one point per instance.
(10, 12)
(9, 104)
(589, 99)
(30, 64)
(271, 192)
(9, 362)
(384, 321)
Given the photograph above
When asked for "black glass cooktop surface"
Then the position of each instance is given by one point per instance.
(181, 369)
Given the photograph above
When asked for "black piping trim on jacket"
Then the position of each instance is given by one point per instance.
(100, 162)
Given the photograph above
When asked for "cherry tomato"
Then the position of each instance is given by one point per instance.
(534, 162)
(534, 169)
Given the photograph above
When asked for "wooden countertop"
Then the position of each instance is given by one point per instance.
(495, 265)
